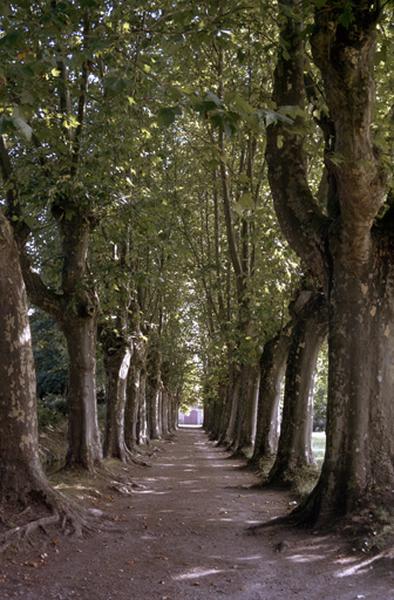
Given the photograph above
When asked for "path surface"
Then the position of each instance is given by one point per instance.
(182, 537)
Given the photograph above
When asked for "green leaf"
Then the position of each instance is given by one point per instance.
(246, 201)
(166, 116)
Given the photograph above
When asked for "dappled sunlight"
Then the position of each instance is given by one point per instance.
(188, 482)
(305, 558)
(249, 558)
(252, 522)
(359, 568)
(197, 572)
(224, 519)
(221, 466)
(151, 492)
(159, 478)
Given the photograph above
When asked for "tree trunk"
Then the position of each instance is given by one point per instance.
(350, 250)
(153, 389)
(175, 405)
(22, 480)
(358, 470)
(83, 433)
(294, 455)
(133, 398)
(165, 410)
(117, 356)
(143, 436)
(246, 421)
(234, 400)
(272, 371)
(225, 407)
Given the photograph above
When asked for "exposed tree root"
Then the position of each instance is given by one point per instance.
(275, 522)
(132, 457)
(125, 488)
(65, 515)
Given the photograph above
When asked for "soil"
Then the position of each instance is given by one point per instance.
(182, 534)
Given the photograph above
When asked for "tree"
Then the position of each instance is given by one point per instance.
(294, 458)
(349, 248)
(22, 480)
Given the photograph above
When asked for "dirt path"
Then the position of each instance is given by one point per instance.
(182, 537)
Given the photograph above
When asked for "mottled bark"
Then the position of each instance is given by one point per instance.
(165, 412)
(358, 470)
(234, 402)
(353, 257)
(22, 480)
(153, 388)
(133, 399)
(84, 448)
(294, 454)
(117, 355)
(143, 434)
(272, 370)
(246, 422)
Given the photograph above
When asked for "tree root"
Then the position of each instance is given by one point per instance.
(131, 457)
(275, 522)
(66, 516)
(125, 488)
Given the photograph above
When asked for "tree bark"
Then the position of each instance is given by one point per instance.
(234, 401)
(117, 355)
(143, 434)
(153, 388)
(294, 456)
(351, 251)
(358, 470)
(165, 412)
(133, 400)
(246, 420)
(22, 480)
(83, 433)
(272, 370)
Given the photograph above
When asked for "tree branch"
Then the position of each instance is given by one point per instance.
(39, 294)
(300, 218)
(344, 54)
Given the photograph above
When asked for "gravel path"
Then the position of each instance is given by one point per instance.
(183, 535)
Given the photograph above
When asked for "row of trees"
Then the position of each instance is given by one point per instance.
(141, 146)
(87, 238)
(338, 219)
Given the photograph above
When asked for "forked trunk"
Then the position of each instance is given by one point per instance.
(83, 433)
(295, 444)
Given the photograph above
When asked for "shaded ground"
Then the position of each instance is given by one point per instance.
(182, 536)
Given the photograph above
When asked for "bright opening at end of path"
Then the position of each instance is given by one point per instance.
(191, 417)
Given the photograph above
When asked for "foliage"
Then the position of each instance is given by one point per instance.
(50, 356)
